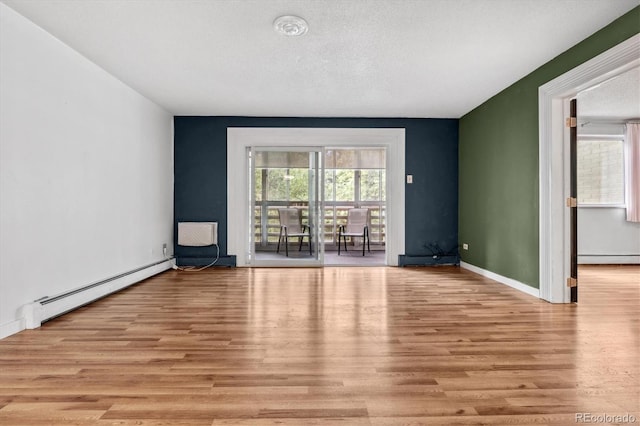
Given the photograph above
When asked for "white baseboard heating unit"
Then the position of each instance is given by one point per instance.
(47, 308)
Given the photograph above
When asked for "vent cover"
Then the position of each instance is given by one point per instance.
(197, 234)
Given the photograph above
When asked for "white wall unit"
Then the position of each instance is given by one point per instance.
(605, 236)
(86, 183)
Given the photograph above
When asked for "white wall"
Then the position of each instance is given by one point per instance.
(86, 163)
(605, 236)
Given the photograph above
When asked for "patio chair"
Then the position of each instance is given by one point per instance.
(357, 226)
(291, 227)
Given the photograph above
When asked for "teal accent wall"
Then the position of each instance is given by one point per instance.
(498, 164)
(431, 202)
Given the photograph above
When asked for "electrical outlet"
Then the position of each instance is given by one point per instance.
(409, 178)
(465, 246)
(164, 249)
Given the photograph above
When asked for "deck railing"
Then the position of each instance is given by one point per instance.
(267, 223)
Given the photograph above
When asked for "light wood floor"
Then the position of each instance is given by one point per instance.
(347, 346)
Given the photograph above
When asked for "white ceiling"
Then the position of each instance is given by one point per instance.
(360, 58)
(617, 99)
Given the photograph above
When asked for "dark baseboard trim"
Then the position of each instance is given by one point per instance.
(226, 261)
(427, 260)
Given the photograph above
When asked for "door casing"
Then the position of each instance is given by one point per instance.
(553, 101)
(238, 185)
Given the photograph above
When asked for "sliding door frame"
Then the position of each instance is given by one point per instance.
(238, 185)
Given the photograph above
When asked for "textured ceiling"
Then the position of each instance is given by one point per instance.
(375, 58)
(615, 99)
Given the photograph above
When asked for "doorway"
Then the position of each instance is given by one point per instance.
(553, 103)
(355, 180)
(305, 199)
(605, 236)
(241, 242)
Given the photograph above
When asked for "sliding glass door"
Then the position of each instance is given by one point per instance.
(285, 206)
(354, 178)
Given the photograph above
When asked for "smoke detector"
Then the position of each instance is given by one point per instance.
(290, 25)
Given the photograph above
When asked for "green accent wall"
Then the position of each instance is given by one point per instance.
(498, 164)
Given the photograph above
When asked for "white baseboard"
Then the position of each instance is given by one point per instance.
(37, 312)
(608, 260)
(34, 313)
(12, 327)
(501, 279)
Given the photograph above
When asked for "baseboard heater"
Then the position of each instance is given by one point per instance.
(47, 308)
(608, 259)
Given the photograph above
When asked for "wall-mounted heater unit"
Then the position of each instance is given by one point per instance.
(197, 234)
(46, 308)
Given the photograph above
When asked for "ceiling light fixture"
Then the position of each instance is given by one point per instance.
(290, 25)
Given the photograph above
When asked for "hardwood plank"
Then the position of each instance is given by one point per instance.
(349, 346)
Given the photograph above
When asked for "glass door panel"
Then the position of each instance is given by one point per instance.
(285, 220)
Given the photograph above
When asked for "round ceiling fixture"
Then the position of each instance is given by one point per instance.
(290, 25)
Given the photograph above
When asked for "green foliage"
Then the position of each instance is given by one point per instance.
(276, 185)
(283, 184)
(293, 184)
(372, 185)
(345, 184)
(299, 185)
(257, 176)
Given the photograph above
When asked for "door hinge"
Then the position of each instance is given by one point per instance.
(572, 282)
(572, 202)
(571, 122)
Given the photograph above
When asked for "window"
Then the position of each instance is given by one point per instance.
(353, 177)
(372, 185)
(600, 171)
